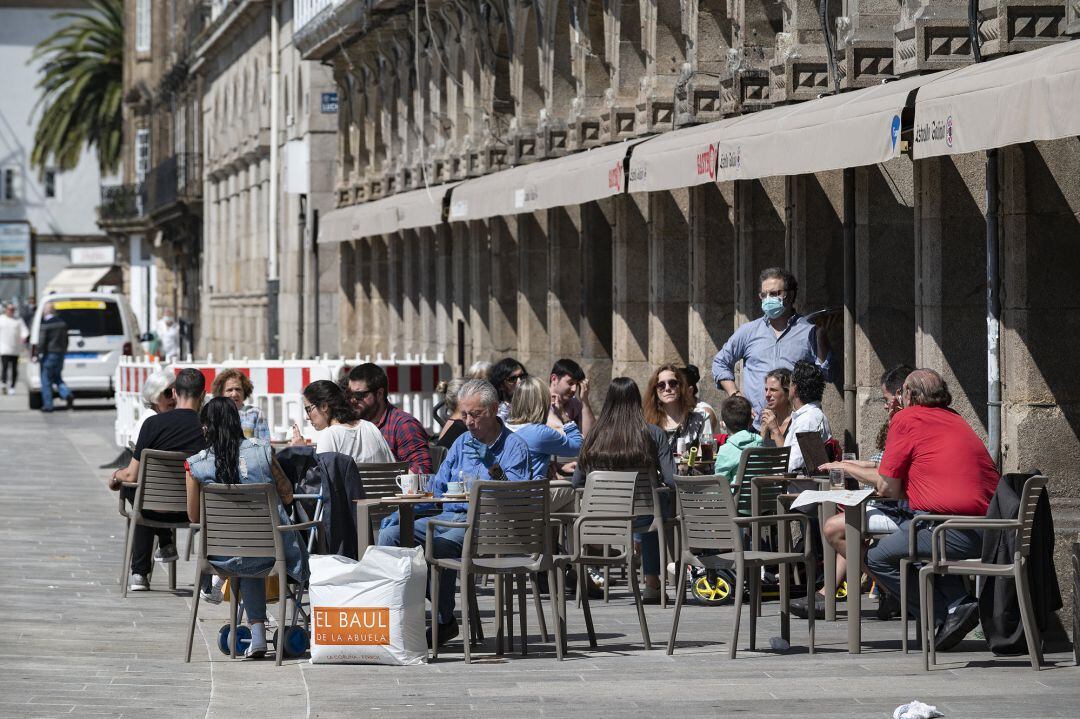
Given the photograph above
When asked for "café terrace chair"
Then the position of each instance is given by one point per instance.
(711, 530)
(759, 462)
(508, 535)
(604, 519)
(647, 491)
(1017, 571)
(379, 481)
(161, 488)
(242, 520)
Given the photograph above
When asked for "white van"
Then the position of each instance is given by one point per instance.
(101, 328)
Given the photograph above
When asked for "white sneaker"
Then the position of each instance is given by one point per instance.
(255, 651)
(214, 596)
(139, 583)
(166, 554)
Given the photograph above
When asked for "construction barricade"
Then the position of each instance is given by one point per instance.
(279, 385)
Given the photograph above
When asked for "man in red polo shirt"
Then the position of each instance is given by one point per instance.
(408, 441)
(936, 460)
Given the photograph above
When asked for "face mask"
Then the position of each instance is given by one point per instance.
(773, 307)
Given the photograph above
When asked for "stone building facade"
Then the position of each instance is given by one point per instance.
(463, 88)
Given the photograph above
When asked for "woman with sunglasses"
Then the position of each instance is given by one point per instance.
(670, 405)
(157, 397)
(340, 427)
(505, 376)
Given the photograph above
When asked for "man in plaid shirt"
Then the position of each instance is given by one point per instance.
(403, 432)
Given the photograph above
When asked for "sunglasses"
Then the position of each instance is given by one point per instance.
(308, 408)
(361, 393)
(669, 384)
(167, 393)
(515, 378)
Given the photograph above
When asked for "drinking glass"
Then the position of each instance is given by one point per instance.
(849, 456)
(836, 478)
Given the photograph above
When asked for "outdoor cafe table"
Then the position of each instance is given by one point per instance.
(406, 507)
(854, 530)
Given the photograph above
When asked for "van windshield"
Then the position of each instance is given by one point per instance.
(90, 318)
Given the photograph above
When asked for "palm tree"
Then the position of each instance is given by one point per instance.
(82, 88)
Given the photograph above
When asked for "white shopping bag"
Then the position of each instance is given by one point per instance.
(371, 611)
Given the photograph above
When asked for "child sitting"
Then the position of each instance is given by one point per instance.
(736, 414)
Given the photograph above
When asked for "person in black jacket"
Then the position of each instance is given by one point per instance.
(51, 348)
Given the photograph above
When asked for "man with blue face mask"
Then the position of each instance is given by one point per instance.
(780, 338)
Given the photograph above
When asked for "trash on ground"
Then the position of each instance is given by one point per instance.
(916, 710)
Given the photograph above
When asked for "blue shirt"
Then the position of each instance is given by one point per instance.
(756, 344)
(543, 441)
(472, 457)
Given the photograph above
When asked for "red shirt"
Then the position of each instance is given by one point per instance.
(944, 466)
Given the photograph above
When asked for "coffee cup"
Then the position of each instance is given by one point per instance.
(455, 487)
(409, 484)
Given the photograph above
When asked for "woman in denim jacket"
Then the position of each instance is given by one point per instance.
(231, 459)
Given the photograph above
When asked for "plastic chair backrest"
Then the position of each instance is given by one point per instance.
(608, 492)
(162, 485)
(438, 454)
(707, 509)
(240, 520)
(1029, 502)
(646, 501)
(380, 479)
(760, 462)
(508, 518)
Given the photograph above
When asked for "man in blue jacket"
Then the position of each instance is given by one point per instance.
(487, 451)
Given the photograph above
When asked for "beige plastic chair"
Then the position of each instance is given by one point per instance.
(379, 481)
(709, 522)
(1017, 571)
(604, 519)
(240, 520)
(161, 488)
(508, 534)
(438, 454)
(647, 502)
(759, 462)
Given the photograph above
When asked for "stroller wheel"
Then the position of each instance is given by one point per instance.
(296, 641)
(713, 589)
(243, 639)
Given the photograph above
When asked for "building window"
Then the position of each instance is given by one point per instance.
(9, 184)
(142, 154)
(52, 184)
(142, 25)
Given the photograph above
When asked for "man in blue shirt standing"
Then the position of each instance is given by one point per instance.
(488, 450)
(780, 338)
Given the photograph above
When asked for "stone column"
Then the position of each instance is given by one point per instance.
(712, 279)
(1040, 192)
(815, 252)
(950, 290)
(533, 344)
(760, 236)
(348, 299)
(410, 305)
(505, 266)
(426, 275)
(597, 291)
(460, 294)
(564, 282)
(592, 76)
(884, 286)
(479, 288)
(378, 276)
(669, 277)
(444, 288)
(394, 297)
(630, 320)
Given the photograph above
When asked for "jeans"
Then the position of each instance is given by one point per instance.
(142, 546)
(883, 561)
(10, 365)
(252, 573)
(51, 366)
(448, 543)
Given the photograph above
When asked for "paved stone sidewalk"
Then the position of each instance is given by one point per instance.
(73, 647)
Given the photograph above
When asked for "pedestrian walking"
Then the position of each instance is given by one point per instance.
(13, 334)
(51, 348)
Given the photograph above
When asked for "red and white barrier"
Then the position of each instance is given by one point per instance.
(279, 385)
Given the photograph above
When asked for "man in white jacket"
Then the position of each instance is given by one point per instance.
(13, 334)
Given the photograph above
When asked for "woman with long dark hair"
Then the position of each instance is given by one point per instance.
(670, 405)
(230, 458)
(505, 376)
(340, 427)
(622, 440)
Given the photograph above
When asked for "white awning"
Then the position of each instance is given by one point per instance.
(357, 221)
(1034, 95)
(421, 208)
(683, 158)
(78, 279)
(852, 129)
(500, 193)
(571, 180)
